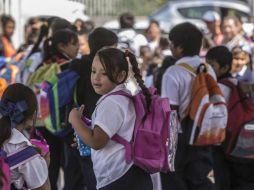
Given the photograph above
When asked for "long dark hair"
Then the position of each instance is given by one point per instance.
(114, 61)
(15, 93)
(63, 36)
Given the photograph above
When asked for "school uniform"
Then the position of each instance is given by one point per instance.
(116, 115)
(34, 172)
(193, 164)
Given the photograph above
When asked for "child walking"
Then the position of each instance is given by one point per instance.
(114, 114)
(18, 111)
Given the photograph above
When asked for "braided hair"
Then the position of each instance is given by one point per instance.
(138, 77)
(115, 61)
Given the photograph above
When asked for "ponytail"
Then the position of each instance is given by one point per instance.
(43, 33)
(47, 49)
(138, 77)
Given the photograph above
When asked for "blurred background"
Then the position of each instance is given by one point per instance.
(105, 12)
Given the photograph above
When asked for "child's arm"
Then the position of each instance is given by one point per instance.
(95, 138)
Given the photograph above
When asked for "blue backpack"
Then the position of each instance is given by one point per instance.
(56, 100)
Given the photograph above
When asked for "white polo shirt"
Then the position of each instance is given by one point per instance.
(34, 172)
(177, 83)
(114, 115)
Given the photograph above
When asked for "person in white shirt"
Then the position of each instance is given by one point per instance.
(193, 164)
(127, 36)
(18, 111)
(113, 115)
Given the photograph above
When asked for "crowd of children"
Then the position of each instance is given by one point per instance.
(102, 66)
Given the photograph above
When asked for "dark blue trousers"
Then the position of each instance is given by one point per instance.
(134, 179)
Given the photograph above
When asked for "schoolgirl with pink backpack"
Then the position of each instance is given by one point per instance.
(129, 139)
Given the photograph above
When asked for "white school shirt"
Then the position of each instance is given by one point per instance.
(177, 83)
(34, 172)
(114, 115)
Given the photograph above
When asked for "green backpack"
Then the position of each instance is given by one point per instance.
(45, 72)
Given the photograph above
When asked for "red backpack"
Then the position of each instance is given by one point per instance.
(240, 127)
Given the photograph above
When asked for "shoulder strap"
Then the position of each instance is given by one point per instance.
(117, 138)
(189, 68)
(227, 83)
(21, 157)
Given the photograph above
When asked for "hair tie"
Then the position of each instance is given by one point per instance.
(13, 110)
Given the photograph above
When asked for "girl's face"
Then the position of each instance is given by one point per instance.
(70, 49)
(153, 31)
(239, 60)
(9, 29)
(99, 78)
(83, 45)
(219, 71)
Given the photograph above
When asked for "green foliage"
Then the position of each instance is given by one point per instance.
(142, 7)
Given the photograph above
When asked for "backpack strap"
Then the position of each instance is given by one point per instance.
(188, 68)
(227, 83)
(21, 157)
(118, 138)
(192, 70)
(127, 146)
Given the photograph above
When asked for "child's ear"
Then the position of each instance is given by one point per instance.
(121, 76)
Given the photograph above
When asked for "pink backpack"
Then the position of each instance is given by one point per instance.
(6, 181)
(153, 144)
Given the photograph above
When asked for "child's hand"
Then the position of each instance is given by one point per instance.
(74, 144)
(76, 114)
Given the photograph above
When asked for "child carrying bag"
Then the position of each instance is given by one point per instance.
(239, 141)
(153, 145)
(207, 115)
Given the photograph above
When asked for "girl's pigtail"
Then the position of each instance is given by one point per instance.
(139, 80)
(43, 33)
(47, 47)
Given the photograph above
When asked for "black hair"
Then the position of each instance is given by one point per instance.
(43, 34)
(164, 43)
(5, 19)
(221, 55)
(101, 37)
(55, 23)
(86, 26)
(15, 93)
(64, 36)
(58, 23)
(126, 20)
(114, 61)
(188, 37)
